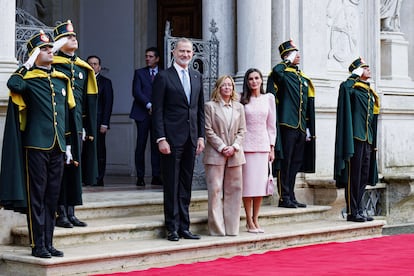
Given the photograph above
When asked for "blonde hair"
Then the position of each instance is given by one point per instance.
(215, 95)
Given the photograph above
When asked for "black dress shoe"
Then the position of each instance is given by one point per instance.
(54, 252)
(41, 252)
(355, 218)
(156, 180)
(173, 236)
(298, 204)
(186, 234)
(63, 222)
(287, 204)
(76, 222)
(140, 181)
(99, 183)
(366, 217)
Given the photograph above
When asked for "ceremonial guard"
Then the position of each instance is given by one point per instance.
(356, 139)
(85, 90)
(295, 142)
(36, 138)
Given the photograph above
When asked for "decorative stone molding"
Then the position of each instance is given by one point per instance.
(400, 198)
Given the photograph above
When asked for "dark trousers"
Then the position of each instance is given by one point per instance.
(101, 154)
(358, 177)
(143, 128)
(293, 146)
(44, 170)
(177, 171)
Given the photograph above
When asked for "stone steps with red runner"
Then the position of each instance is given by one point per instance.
(125, 232)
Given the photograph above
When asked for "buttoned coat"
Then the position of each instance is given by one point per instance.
(219, 133)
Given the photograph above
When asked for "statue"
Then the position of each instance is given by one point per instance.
(342, 21)
(390, 15)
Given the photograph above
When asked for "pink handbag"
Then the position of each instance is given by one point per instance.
(270, 187)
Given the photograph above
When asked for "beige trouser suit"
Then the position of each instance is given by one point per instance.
(225, 126)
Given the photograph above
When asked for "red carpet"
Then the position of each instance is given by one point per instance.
(389, 255)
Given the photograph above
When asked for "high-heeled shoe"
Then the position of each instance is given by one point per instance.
(259, 230)
(251, 230)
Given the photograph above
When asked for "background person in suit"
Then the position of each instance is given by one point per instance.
(178, 122)
(223, 158)
(141, 112)
(105, 102)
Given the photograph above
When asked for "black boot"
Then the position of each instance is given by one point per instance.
(62, 219)
(39, 250)
(49, 245)
(74, 220)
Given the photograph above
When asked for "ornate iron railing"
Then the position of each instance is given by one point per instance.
(205, 59)
(26, 27)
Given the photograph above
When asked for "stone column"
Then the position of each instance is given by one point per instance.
(222, 12)
(7, 45)
(254, 25)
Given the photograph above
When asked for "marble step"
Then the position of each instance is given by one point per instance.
(138, 253)
(129, 226)
(104, 204)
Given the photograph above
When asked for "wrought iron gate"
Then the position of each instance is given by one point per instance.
(205, 58)
(26, 27)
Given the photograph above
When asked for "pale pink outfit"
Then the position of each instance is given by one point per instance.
(261, 133)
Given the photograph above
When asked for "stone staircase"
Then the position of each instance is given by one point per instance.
(126, 232)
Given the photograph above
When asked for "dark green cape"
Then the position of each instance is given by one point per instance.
(13, 193)
(344, 140)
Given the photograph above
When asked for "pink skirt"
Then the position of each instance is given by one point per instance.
(255, 174)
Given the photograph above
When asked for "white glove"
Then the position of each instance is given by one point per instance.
(308, 135)
(83, 134)
(59, 43)
(68, 154)
(30, 62)
(359, 71)
(291, 56)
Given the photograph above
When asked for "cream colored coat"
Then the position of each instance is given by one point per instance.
(224, 174)
(218, 134)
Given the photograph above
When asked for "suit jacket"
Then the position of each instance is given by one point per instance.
(173, 117)
(218, 133)
(141, 91)
(105, 100)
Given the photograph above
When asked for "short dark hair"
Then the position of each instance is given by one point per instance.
(154, 50)
(94, 56)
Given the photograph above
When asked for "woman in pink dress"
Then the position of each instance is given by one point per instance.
(259, 141)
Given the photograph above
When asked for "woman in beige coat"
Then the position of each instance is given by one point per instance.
(225, 126)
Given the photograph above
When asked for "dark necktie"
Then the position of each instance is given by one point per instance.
(152, 75)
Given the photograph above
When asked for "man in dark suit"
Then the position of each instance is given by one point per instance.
(178, 122)
(105, 102)
(141, 113)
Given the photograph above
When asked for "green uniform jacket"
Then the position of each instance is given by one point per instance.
(30, 110)
(295, 108)
(357, 118)
(85, 90)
